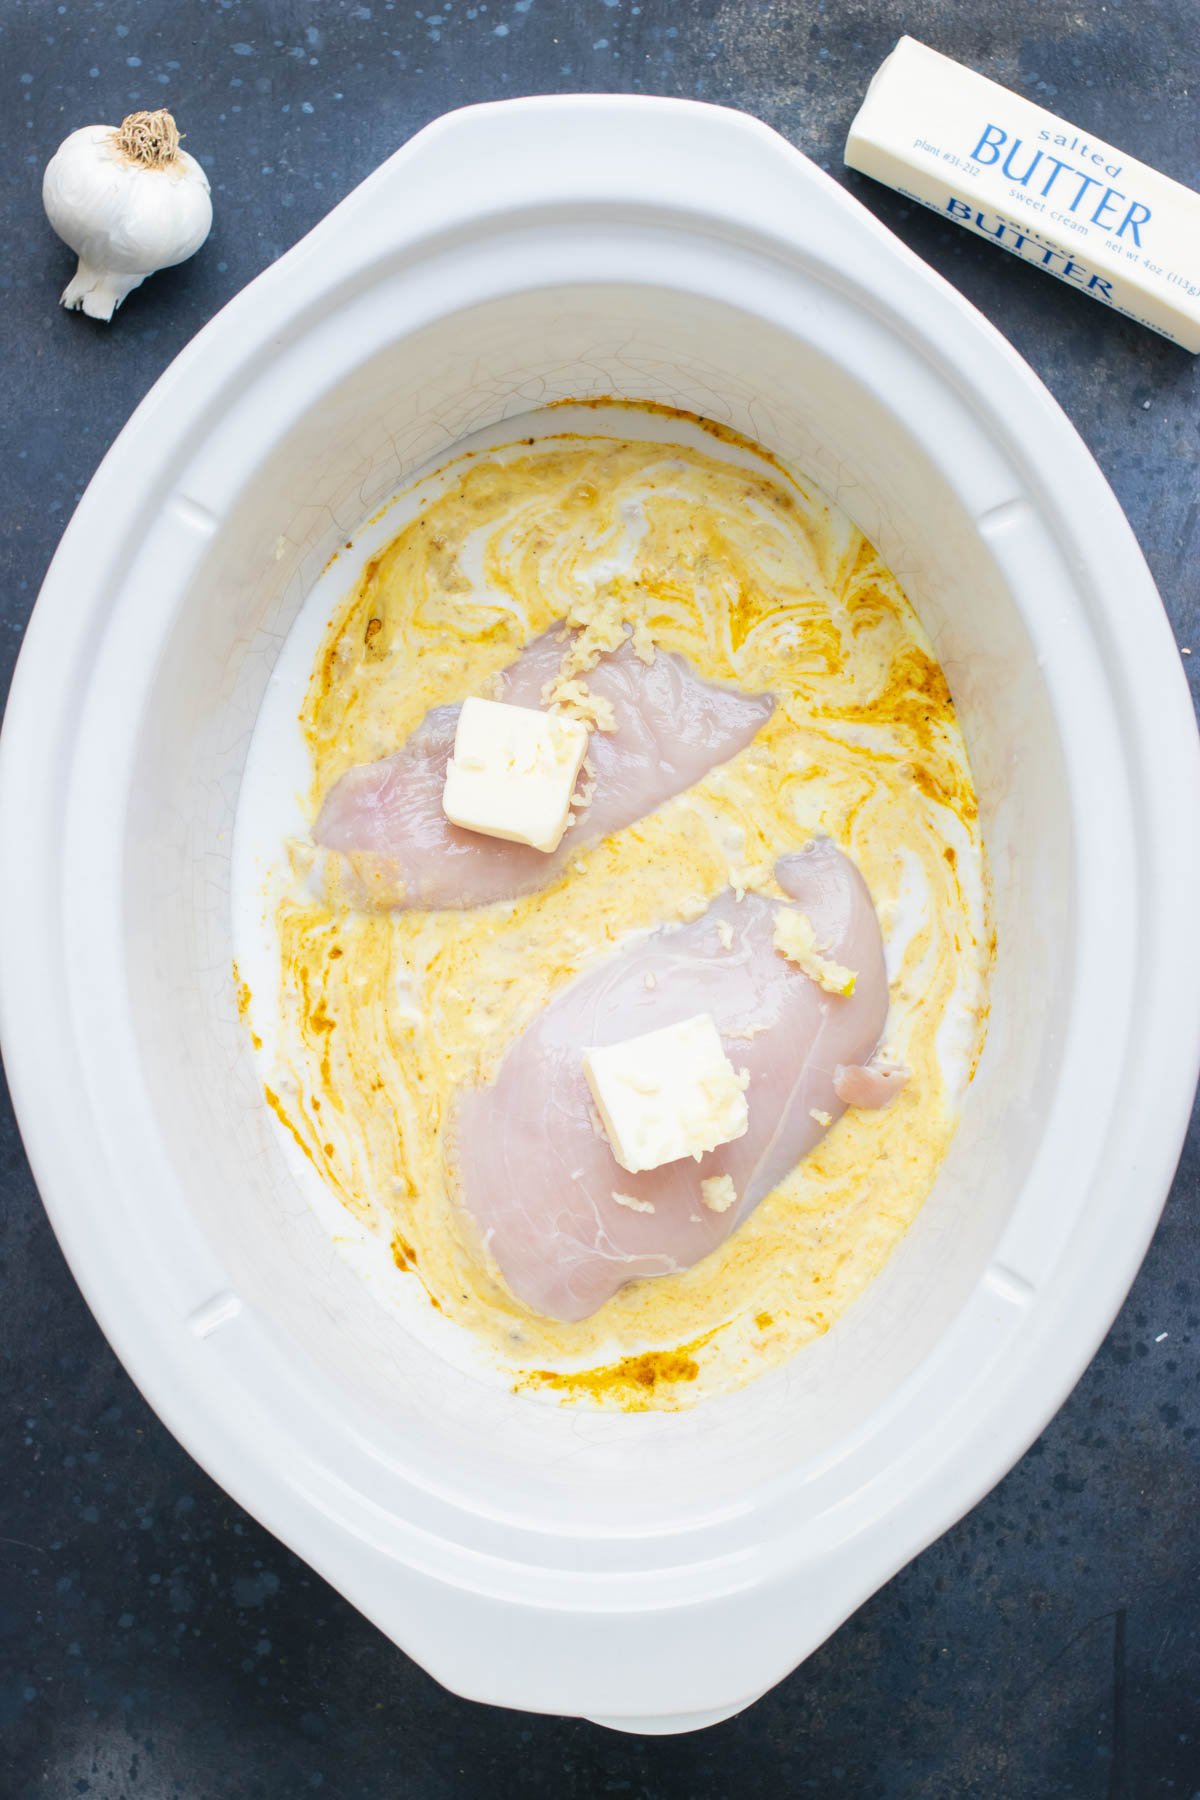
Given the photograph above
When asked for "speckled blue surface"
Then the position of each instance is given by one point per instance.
(155, 1642)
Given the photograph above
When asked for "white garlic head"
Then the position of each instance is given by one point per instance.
(128, 200)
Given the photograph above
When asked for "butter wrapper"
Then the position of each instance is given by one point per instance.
(1055, 196)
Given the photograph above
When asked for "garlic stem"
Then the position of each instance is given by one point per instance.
(149, 138)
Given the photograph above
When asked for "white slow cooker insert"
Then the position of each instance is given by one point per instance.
(654, 1571)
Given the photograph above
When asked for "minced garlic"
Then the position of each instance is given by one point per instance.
(601, 627)
(796, 939)
(643, 642)
(718, 1193)
(575, 700)
(749, 878)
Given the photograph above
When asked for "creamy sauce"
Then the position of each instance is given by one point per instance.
(377, 1020)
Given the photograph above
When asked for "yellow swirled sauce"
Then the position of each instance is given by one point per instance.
(757, 580)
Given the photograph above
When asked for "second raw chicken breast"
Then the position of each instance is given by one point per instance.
(563, 1221)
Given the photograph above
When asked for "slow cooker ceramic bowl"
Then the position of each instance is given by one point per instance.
(653, 1571)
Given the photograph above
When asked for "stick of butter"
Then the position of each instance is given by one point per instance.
(1009, 170)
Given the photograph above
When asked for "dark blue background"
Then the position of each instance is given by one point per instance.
(153, 1640)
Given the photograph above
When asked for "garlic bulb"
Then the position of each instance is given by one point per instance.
(128, 201)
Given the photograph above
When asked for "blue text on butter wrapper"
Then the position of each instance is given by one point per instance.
(994, 142)
(1062, 263)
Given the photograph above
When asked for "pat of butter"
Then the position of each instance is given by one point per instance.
(1015, 174)
(513, 772)
(668, 1094)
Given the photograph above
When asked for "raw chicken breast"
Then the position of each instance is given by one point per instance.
(870, 1087)
(536, 1173)
(395, 847)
